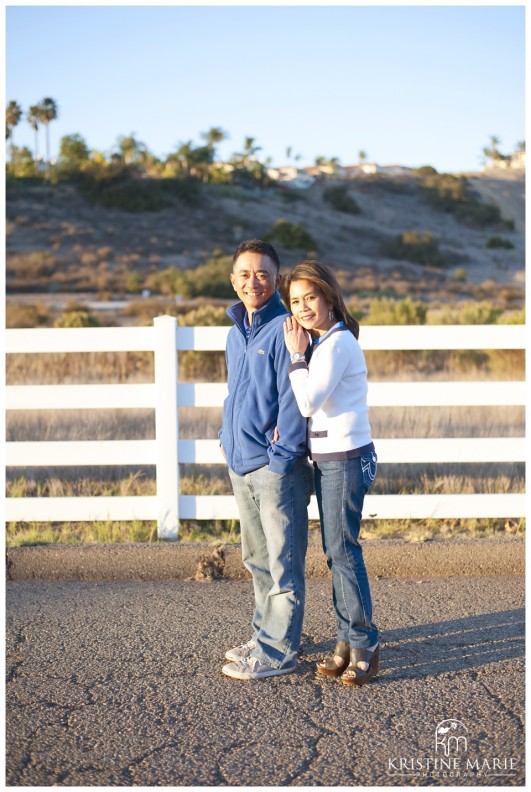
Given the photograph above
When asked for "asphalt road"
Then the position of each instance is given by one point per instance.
(118, 683)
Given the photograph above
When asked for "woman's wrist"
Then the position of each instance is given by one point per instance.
(296, 356)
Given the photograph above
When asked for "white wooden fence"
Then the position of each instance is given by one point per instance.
(168, 506)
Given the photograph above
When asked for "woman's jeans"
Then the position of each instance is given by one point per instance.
(274, 534)
(340, 487)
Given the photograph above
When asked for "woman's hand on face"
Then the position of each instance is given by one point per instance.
(295, 336)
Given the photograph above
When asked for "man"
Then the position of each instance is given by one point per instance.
(272, 481)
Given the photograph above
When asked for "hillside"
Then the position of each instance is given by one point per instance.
(59, 244)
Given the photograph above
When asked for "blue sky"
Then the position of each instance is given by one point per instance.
(412, 85)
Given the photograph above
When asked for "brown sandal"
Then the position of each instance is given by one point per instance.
(329, 667)
(354, 675)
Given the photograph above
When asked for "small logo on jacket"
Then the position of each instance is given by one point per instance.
(261, 352)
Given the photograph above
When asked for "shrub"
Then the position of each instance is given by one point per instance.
(420, 248)
(31, 266)
(385, 311)
(291, 236)
(205, 316)
(76, 319)
(207, 280)
(516, 316)
(471, 313)
(425, 170)
(132, 282)
(26, 315)
(120, 191)
(340, 200)
(460, 275)
(211, 279)
(499, 242)
(171, 281)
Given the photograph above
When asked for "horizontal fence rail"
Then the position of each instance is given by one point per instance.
(165, 340)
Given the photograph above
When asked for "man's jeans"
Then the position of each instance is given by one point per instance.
(274, 535)
(340, 487)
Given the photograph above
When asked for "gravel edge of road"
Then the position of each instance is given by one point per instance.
(165, 561)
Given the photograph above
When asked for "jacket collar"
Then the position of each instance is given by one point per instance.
(262, 316)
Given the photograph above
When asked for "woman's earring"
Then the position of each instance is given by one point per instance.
(331, 316)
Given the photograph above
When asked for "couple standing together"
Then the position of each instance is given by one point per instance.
(285, 368)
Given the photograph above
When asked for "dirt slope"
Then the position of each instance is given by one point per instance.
(91, 249)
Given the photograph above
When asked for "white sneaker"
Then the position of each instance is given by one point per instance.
(252, 668)
(240, 652)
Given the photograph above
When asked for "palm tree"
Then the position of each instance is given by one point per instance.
(33, 119)
(131, 149)
(48, 111)
(491, 152)
(362, 156)
(213, 136)
(183, 156)
(13, 116)
(249, 149)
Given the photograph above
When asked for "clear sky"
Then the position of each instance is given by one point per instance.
(411, 85)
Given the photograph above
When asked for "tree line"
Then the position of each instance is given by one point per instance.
(131, 155)
(188, 160)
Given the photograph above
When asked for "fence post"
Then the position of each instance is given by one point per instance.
(167, 427)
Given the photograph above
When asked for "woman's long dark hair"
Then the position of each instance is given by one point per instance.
(323, 279)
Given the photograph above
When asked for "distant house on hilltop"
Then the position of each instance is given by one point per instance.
(327, 169)
(351, 171)
(291, 176)
(514, 161)
(518, 160)
(396, 170)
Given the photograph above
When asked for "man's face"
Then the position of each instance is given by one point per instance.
(254, 279)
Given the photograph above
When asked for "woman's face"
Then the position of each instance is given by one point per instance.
(309, 307)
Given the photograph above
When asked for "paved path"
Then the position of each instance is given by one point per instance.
(119, 684)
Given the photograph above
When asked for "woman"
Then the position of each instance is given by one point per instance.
(331, 390)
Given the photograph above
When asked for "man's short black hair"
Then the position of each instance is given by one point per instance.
(257, 246)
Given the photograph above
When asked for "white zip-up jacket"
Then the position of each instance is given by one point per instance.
(332, 392)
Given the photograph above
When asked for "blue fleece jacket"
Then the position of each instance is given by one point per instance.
(260, 394)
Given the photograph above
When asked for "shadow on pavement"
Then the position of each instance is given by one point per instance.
(420, 651)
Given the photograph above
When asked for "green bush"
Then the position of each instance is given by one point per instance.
(470, 313)
(415, 246)
(340, 200)
(386, 311)
(516, 316)
(171, 281)
(205, 316)
(291, 236)
(120, 191)
(76, 319)
(211, 279)
(426, 170)
(499, 242)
